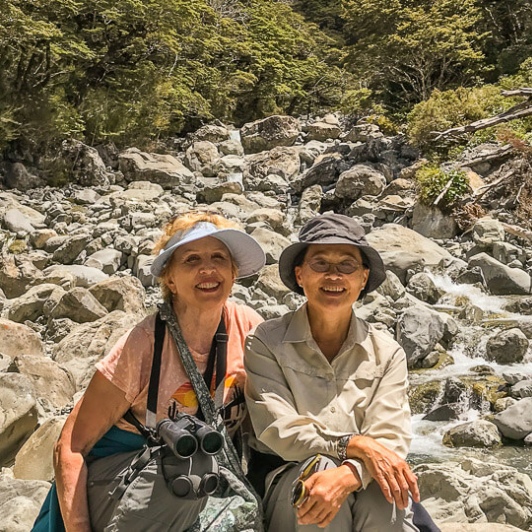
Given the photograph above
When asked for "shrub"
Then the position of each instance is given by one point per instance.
(433, 181)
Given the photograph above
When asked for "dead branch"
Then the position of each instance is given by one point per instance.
(517, 231)
(526, 91)
(501, 152)
(484, 189)
(520, 110)
(444, 191)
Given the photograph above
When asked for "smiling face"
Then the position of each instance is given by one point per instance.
(332, 291)
(200, 274)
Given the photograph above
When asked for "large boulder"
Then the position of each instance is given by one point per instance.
(165, 170)
(269, 132)
(84, 276)
(271, 242)
(507, 347)
(121, 293)
(17, 274)
(433, 223)
(18, 413)
(360, 180)
(202, 157)
(515, 422)
(478, 433)
(476, 491)
(53, 384)
(34, 461)
(324, 172)
(418, 331)
(30, 305)
(79, 305)
(403, 249)
(20, 502)
(88, 343)
(501, 279)
(17, 339)
(283, 162)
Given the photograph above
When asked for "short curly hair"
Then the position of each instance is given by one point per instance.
(183, 222)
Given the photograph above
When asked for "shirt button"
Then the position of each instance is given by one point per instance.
(333, 409)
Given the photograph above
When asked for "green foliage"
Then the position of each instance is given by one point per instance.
(432, 181)
(412, 48)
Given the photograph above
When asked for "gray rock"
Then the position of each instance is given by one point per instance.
(403, 249)
(359, 180)
(269, 282)
(39, 237)
(78, 305)
(272, 243)
(34, 461)
(141, 270)
(83, 276)
(69, 250)
(476, 491)
(16, 222)
(88, 343)
(500, 279)
(17, 339)
(214, 192)
(30, 305)
(477, 433)
(18, 413)
(108, 260)
(121, 293)
(86, 164)
(269, 133)
(321, 131)
(324, 172)
(486, 232)
(212, 133)
(53, 384)
(283, 162)
(309, 204)
(275, 219)
(507, 253)
(515, 421)
(362, 133)
(20, 502)
(392, 286)
(522, 389)
(17, 274)
(19, 177)
(422, 286)
(164, 170)
(202, 157)
(513, 377)
(507, 347)
(418, 331)
(503, 404)
(433, 223)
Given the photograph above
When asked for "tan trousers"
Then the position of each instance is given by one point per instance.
(363, 511)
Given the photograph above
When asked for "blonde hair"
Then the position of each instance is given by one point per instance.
(184, 222)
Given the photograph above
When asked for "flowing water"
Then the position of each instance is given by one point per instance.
(469, 352)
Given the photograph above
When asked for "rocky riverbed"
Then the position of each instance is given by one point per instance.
(74, 275)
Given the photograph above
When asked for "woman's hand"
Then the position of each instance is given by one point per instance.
(327, 491)
(387, 468)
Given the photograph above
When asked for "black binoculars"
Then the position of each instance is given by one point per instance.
(185, 434)
(191, 469)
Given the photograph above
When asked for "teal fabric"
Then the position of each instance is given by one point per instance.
(114, 441)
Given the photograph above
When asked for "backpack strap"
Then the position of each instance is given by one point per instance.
(148, 430)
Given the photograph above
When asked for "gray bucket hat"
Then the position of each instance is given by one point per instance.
(332, 228)
(245, 250)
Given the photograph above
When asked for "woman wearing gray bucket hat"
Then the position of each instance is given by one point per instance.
(196, 337)
(322, 382)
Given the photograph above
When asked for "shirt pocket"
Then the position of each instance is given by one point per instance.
(356, 390)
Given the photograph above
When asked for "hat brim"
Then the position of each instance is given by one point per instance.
(377, 271)
(245, 250)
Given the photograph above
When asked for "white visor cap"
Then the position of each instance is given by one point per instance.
(245, 250)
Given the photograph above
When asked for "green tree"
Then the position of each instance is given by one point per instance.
(413, 47)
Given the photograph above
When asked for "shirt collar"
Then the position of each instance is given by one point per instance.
(298, 329)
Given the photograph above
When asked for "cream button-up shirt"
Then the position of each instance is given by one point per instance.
(300, 404)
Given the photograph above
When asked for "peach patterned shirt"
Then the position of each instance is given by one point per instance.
(128, 366)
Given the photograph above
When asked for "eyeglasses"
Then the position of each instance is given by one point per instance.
(346, 266)
(299, 490)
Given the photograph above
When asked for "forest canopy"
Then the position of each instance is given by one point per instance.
(139, 71)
